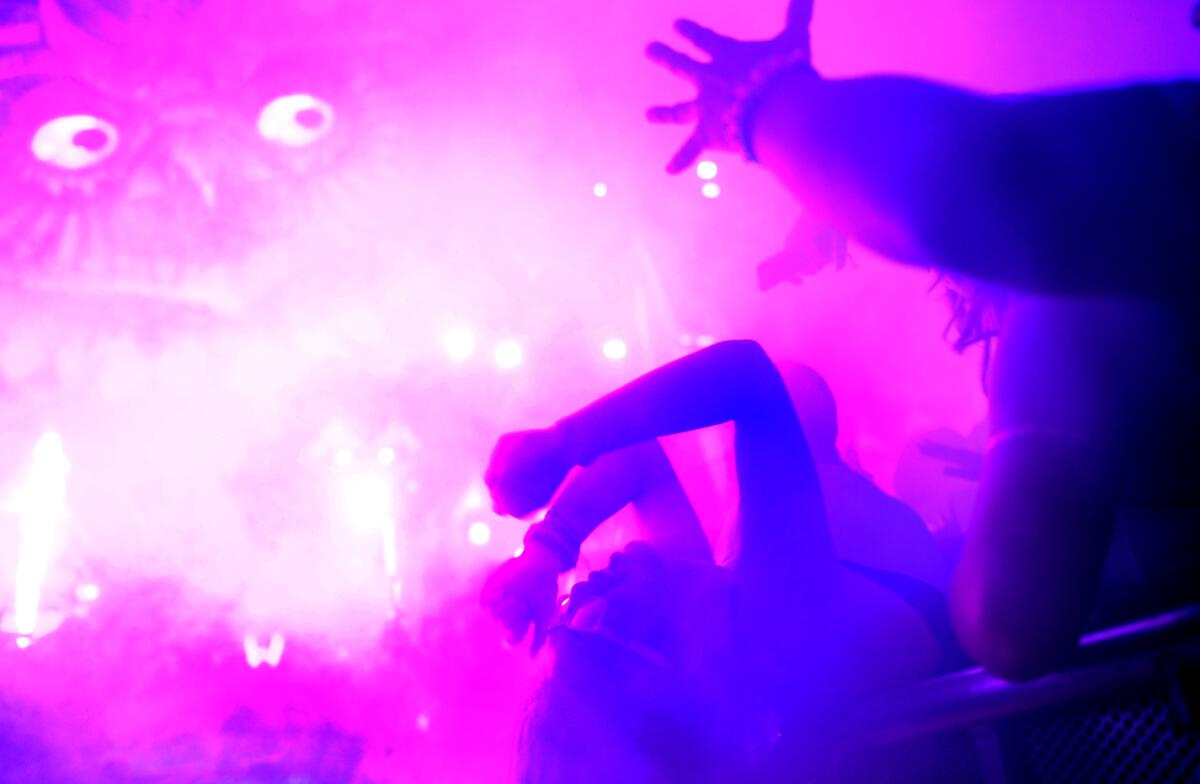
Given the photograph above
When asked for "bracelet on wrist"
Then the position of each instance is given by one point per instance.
(739, 118)
(553, 538)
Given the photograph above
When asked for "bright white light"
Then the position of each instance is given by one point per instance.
(88, 592)
(42, 505)
(479, 534)
(24, 642)
(706, 170)
(343, 456)
(710, 190)
(256, 655)
(75, 141)
(386, 456)
(295, 120)
(509, 354)
(365, 497)
(473, 498)
(615, 349)
(459, 344)
(388, 533)
(519, 551)
(600, 189)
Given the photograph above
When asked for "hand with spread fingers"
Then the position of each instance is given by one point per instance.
(521, 594)
(726, 83)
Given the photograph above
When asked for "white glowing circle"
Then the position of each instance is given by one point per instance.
(366, 499)
(479, 534)
(24, 642)
(710, 190)
(615, 349)
(459, 344)
(509, 354)
(706, 170)
(88, 592)
(423, 723)
(75, 141)
(295, 120)
(473, 498)
(386, 456)
(519, 551)
(600, 190)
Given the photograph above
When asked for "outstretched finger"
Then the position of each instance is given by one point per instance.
(675, 62)
(686, 155)
(679, 114)
(704, 38)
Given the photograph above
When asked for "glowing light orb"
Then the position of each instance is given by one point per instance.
(479, 534)
(257, 655)
(459, 344)
(615, 349)
(519, 551)
(88, 592)
(474, 497)
(706, 170)
(42, 505)
(24, 642)
(509, 354)
(75, 141)
(295, 120)
(710, 190)
(386, 456)
(365, 498)
(600, 190)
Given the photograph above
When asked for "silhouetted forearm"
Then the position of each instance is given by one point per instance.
(1093, 191)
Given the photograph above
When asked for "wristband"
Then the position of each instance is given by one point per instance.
(555, 538)
(747, 97)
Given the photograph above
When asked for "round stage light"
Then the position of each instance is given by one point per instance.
(615, 349)
(509, 354)
(600, 190)
(75, 141)
(710, 190)
(459, 344)
(295, 120)
(479, 534)
(706, 170)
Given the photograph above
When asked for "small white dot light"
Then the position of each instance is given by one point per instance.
(459, 344)
(706, 170)
(386, 456)
(479, 534)
(615, 349)
(75, 141)
(88, 592)
(600, 190)
(710, 190)
(509, 354)
(295, 120)
(24, 642)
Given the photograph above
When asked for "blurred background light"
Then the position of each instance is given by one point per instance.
(75, 141)
(615, 349)
(508, 354)
(295, 120)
